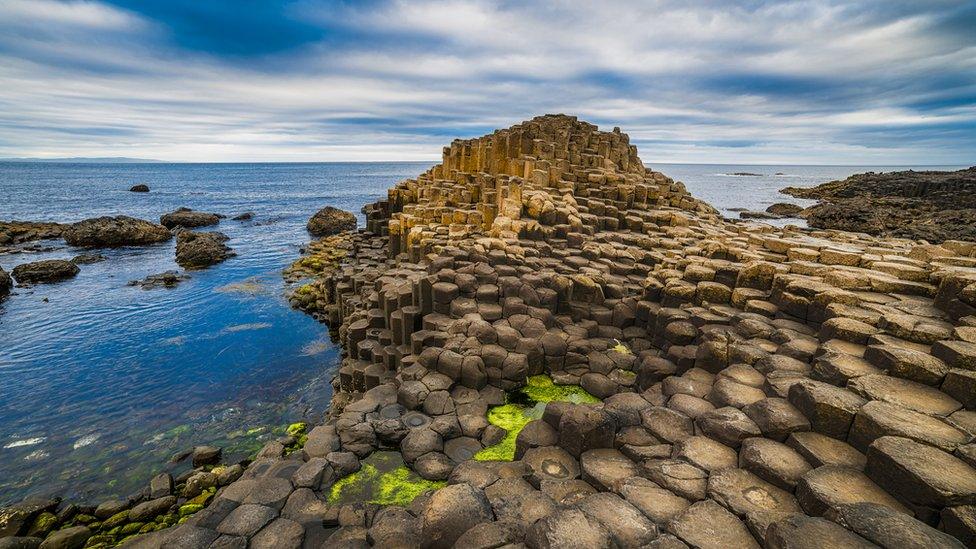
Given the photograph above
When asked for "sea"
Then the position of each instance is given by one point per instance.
(102, 383)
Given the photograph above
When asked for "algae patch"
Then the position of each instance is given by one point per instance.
(384, 479)
(515, 415)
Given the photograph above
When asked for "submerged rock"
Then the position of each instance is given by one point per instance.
(87, 259)
(246, 216)
(140, 188)
(200, 250)
(329, 221)
(111, 232)
(48, 270)
(168, 279)
(187, 218)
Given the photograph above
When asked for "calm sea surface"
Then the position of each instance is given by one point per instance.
(100, 382)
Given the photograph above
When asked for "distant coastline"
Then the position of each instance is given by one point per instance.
(88, 160)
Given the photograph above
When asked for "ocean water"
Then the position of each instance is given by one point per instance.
(101, 383)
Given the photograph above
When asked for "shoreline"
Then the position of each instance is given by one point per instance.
(549, 249)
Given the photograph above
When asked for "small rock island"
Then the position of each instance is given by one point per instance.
(548, 344)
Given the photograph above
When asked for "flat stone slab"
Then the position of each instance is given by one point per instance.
(921, 474)
(828, 487)
(708, 525)
(905, 393)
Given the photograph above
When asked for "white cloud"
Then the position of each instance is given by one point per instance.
(83, 78)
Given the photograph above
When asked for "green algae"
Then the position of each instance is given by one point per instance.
(514, 416)
(383, 479)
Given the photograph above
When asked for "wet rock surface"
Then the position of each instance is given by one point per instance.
(18, 232)
(168, 279)
(45, 271)
(200, 250)
(140, 188)
(111, 232)
(6, 283)
(189, 219)
(740, 403)
(930, 205)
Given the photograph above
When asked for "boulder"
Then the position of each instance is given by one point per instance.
(568, 527)
(803, 532)
(69, 538)
(140, 188)
(450, 512)
(5, 283)
(111, 232)
(708, 525)
(201, 250)
(188, 219)
(45, 271)
(329, 221)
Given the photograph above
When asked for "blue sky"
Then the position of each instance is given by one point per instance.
(817, 82)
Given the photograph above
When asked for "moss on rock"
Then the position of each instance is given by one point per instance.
(384, 479)
(525, 405)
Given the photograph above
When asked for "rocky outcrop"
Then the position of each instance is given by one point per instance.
(17, 232)
(140, 188)
(5, 283)
(330, 221)
(112, 232)
(189, 219)
(200, 250)
(46, 271)
(730, 384)
(926, 205)
(785, 209)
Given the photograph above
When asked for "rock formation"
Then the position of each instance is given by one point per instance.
(140, 188)
(17, 232)
(330, 220)
(200, 250)
(5, 283)
(739, 385)
(189, 219)
(48, 270)
(927, 205)
(111, 232)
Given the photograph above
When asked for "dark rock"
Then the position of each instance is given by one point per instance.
(46, 271)
(161, 485)
(928, 205)
(200, 250)
(69, 538)
(280, 534)
(168, 279)
(140, 188)
(20, 543)
(109, 508)
(628, 526)
(784, 209)
(16, 518)
(246, 520)
(148, 510)
(568, 527)
(920, 474)
(452, 511)
(205, 455)
(889, 528)
(582, 428)
(189, 219)
(87, 259)
(246, 216)
(758, 215)
(111, 232)
(707, 524)
(329, 221)
(803, 532)
(5, 283)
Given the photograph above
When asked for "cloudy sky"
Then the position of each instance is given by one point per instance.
(815, 82)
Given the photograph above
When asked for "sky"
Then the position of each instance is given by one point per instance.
(705, 81)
